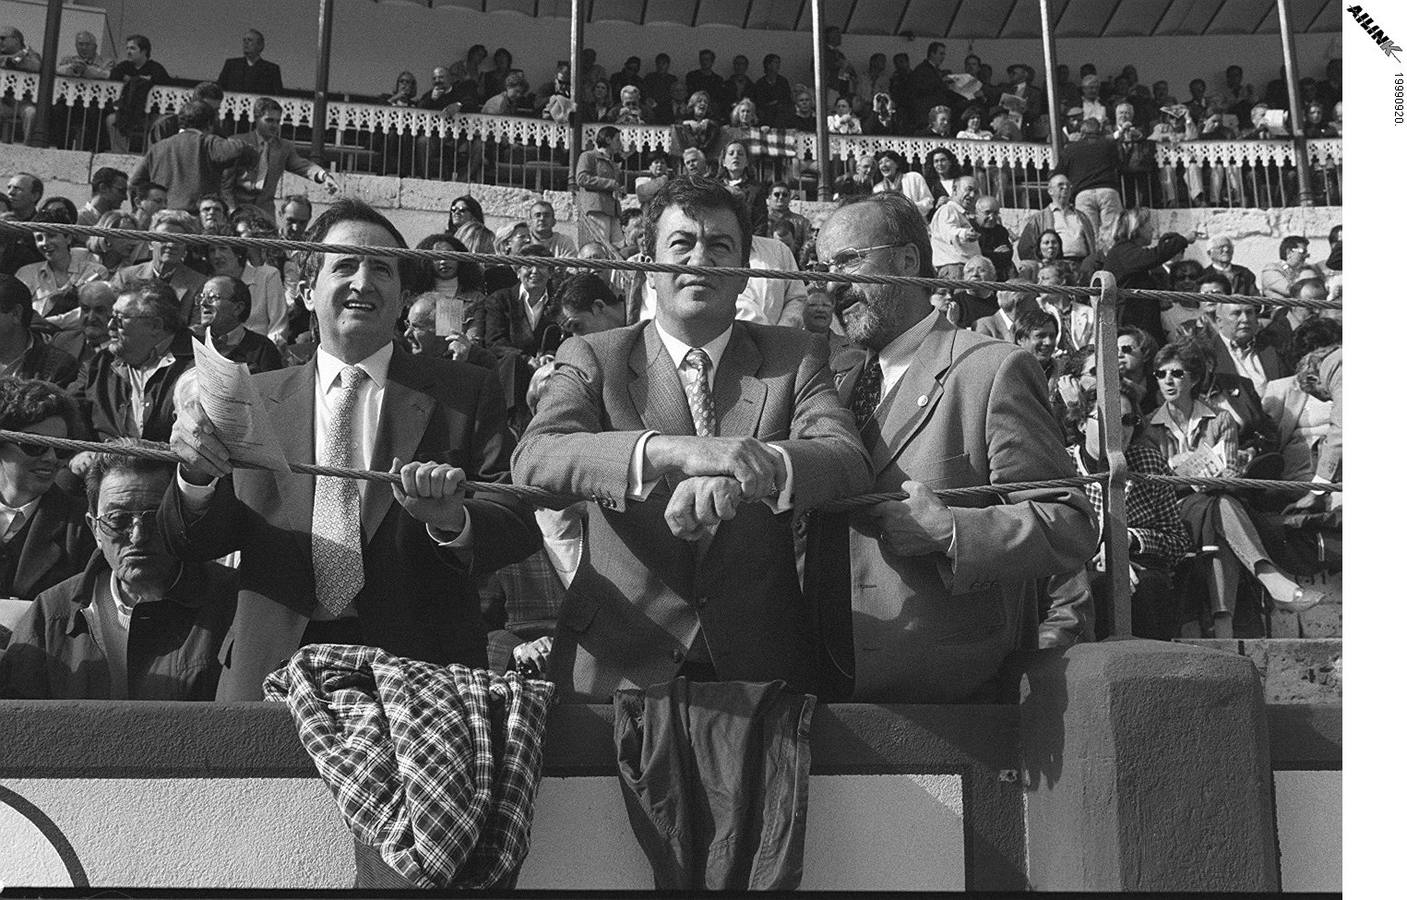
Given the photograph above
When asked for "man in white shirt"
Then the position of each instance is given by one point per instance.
(337, 560)
(693, 433)
(954, 238)
(542, 219)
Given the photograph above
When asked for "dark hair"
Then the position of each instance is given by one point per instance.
(1334, 234)
(535, 250)
(901, 223)
(15, 294)
(693, 195)
(1029, 320)
(476, 210)
(1292, 242)
(56, 213)
(258, 32)
(503, 52)
(209, 92)
(1142, 340)
(1073, 363)
(898, 158)
(296, 198)
(769, 57)
(931, 171)
(240, 295)
(349, 209)
(217, 198)
(1192, 357)
(1078, 412)
(662, 57)
(471, 274)
(141, 41)
(240, 251)
(196, 114)
(265, 105)
(1212, 276)
(1059, 241)
(105, 464)
(160, 298)
(1312, 335)
(38, 184)
(934, 45)
(607, 134)
(25, 402)
(630, 215)
(106, 177)
(153, 186)
(1185, 270)
(579, 293)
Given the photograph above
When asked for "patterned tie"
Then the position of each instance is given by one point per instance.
(337, 537)
(869, 388)
(700, 394)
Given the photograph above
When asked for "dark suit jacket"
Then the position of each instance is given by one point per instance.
(106, 398)
(932, 629)
(506, 324)
(1258, 431)
(283, 157)
(185, 281)
(263, 77)
(53, 545)
(419, 599)
(47, 363)
(254, 350)
(74, 344)
(641, 597)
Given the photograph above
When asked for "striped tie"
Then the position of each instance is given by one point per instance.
(337, 518)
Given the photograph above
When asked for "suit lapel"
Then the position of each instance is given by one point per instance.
(847, 363)
(654, 386)
(291, 408)
(39, 555)
(405, 411)
(738, 395)
(912, 400)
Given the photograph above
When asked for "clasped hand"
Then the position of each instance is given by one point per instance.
(759, 470)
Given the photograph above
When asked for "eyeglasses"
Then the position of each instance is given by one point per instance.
(1130, 420)
(1127, 349)
(1177, 374)
(120, 523)
(35, 451)
(850, 257)
(123, 320)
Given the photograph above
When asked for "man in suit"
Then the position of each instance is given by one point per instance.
(600, 188)
(257, 183)
(940, 593)
(191, 162)
(168, 262)
(524, 316)
(224, 304)
(698, 437)
(335, 560)
(251, 73)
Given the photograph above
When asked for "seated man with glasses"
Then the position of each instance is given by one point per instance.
(136, 624)
(43, 539)
(130, 388)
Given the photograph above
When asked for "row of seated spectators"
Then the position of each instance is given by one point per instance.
(1212, 388)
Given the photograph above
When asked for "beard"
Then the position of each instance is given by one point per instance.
(870, 312)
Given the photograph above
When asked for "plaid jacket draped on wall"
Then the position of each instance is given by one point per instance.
(408, 751)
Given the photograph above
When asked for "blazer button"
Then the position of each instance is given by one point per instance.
(677, 655)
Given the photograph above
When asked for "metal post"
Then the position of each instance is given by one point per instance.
(579, 95)
(44, 102)
(1052, 99)
(1292, 90)
(320, 84)
(823, 137)
(1115, 527)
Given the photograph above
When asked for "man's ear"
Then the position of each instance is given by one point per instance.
(911, 260)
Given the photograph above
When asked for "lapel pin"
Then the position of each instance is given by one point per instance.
(922, 399)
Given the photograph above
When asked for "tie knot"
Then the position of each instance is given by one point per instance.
(697, 358)
(353, 376)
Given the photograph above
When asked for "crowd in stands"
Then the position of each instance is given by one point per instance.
(96, 340)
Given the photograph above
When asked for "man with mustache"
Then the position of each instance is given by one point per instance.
(698, 436)
(940, 593)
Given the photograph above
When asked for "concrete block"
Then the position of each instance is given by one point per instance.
(1305, 671)
(423, 194)
(1147, 769)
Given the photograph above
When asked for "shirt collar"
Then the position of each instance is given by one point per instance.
(1200, 411)
(1232, 346)
(330, 367)
(677, 349)
(233, 336)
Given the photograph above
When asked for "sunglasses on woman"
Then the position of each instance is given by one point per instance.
(36, 450)
(1178, 374)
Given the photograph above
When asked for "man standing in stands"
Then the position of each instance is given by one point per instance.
(17, 249)
(939, 592)
(772, 93)
(993, 240)
(954, 239)
(1092, 165)
(192, 163)
(139, 73)
(87, 62)
(1078, 238)
(710, 82)
(251, 73)
(600, 188)
(698, 438)
(256, 184)
(335, 560)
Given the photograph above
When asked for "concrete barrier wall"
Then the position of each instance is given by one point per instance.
(902, 797)
(420, 207)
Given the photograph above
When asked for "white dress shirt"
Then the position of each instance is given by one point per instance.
(677, 350)
(1248, 364)
(949, 247)
(267, 310)
(764, 299)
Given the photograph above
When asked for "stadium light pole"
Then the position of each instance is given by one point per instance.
(823, 138)
(320, 82)
(1292, 90)
(1052, 98)
(44, 101)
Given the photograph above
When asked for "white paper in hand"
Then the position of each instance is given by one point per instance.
(236, 409)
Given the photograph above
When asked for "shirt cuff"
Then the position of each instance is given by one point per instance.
(194, 497)
(449, 539)
(639, 489)
(783, 501)
(953, 541)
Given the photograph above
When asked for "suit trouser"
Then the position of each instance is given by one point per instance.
(1102, 206)
(714, 776)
